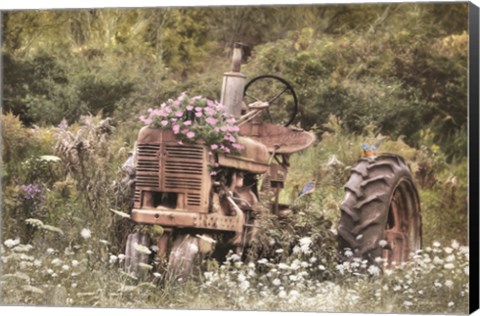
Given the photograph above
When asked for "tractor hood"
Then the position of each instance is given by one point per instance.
(254, 157)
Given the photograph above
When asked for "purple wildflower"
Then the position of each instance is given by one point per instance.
(30, 191)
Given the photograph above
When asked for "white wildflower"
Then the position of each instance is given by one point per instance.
(321, 267)
(244, 285)
(450, 258)
(49, 271)
(437, 260)
(348, 253)
(359, 237)
(75, 263)
(448, 250)
(157, 275)
(10, 243)
(251, 265)
(313, 259)
(276, 282)
(57, 262)
(374, 270)
(145, 266)
(436, 244)
(305, 244)
(271, 242)
(437, 284)
(262, 261)
(295, 265)
(23, 248)
(397, 288)
(449, 266)
(455, 244)
(449, 283)
(296, 250)
(450, 304)
(121, 257)
(407, 303)
(383, 243)
(294, 293)
(112, 259)
(235, 257)
(86, 233)
(103, 241)
(279, 251)
(37, 263)
(25, 264)
(428, 249)
(282, 294)
(241, 277)
(74, 285)
(65, 267)
(154, 248)
(50, 251)
(304, 264)
(283, 266)
(142, 249)
(89, 252)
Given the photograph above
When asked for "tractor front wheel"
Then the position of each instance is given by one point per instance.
(134, 257)
(184, 257)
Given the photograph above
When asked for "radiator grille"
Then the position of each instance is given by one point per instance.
(194, 199)
(148, 165)
(184, 169)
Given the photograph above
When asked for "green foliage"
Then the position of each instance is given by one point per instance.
(362, 73)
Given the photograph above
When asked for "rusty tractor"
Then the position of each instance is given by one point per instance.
(193, 212)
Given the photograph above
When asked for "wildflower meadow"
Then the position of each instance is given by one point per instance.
(79, 85)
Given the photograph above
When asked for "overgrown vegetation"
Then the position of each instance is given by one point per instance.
(76, 82)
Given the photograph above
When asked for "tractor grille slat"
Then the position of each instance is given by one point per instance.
(148, 165)
(194, 199)
(184, 168)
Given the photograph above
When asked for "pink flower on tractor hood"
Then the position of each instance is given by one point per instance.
(176, 128)
(179, 113)
(211, 121)
(190, 134)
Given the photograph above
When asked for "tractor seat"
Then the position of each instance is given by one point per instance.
(278, 138)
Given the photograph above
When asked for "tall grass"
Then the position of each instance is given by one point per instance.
(62, 246)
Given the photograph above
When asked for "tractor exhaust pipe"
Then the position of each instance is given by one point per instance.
(234, 84)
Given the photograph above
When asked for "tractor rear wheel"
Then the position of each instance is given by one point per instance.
(380, 214)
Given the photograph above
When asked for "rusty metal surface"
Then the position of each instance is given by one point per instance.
(253, 158)
(169, 218)
(164, 166)
(277, 138)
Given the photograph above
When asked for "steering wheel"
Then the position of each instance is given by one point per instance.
(274, 91)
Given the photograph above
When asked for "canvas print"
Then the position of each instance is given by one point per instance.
(265, 158)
